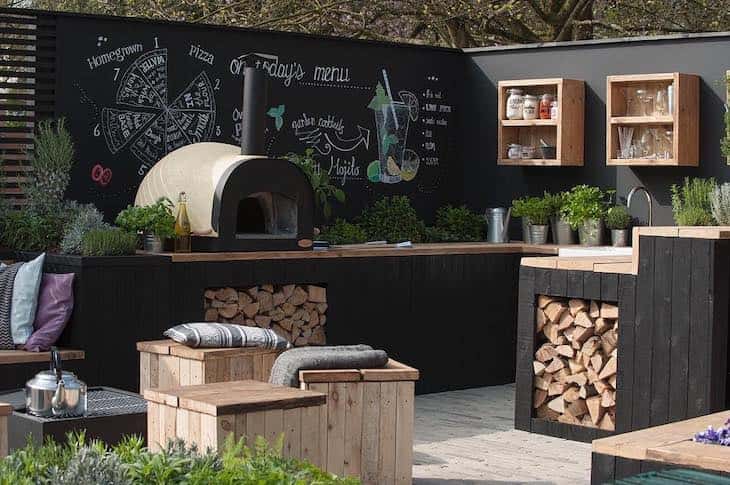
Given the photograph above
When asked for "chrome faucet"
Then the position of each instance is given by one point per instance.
(648, 199)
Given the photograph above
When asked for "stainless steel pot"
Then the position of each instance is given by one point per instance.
(590, 233)
(55, 392)
(152, 243)
(538, 233)
(563, 234)
(619, 237)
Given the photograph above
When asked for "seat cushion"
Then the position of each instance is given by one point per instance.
(211, 335)
(25, 299)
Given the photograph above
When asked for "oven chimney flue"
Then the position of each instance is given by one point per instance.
(253, 116)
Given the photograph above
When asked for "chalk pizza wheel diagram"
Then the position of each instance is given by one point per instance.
(147, 123)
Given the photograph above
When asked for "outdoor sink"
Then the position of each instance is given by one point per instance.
(593, 251)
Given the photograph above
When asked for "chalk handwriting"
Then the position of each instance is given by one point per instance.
(117, 55)
(201, 54)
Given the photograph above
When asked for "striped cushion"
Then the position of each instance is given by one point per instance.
(212, 335)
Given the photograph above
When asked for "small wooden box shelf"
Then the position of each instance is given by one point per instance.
(565, 132)
(683, 121)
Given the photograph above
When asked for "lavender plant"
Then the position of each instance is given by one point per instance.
(720, 204)
(719, 436)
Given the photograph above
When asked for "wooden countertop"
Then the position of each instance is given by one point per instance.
(598, 264)
(672, 444)
(361, 251)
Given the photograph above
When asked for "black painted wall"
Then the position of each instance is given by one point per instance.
(486, 184)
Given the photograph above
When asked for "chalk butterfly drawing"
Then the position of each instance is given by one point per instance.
(146, 122)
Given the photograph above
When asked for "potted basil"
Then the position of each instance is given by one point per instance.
(618, 221)
(537, 210)
(584, 210)
(155, 222)
(519, 207)
(563, 234)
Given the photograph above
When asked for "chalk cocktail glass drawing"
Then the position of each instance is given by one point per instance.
(391, 122)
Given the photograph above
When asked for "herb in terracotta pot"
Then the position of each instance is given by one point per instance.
(584, 210)
(618, 221)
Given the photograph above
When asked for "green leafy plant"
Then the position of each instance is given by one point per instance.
(28, 230)
(555, 202)
(156, 219)
(618, 217)
(324, 189)
(584, 203)
(720, 204)
(86, 218)
(52, 160)
(108, 242)
(456, 224)
(392, 219)
(691, 205)
(535, 209)
(725, 142)
(81, 462)
(343, 232)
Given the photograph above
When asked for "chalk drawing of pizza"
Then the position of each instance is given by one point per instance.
(145, 121)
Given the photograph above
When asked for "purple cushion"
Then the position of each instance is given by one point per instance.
(55, 303)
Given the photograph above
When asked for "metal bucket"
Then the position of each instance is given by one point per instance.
(152, 243)
(619, 237)
(590, 233)
(538, 234)
(526, 230)
(563, 234)
(497, 224)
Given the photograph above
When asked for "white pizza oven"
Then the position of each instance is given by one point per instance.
(238, 199)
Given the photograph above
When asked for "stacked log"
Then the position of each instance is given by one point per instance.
(296, 312)
(575, 362)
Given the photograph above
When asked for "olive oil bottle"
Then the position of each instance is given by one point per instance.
(182, 226)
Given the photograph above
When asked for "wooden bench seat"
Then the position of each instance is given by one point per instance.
(25, 357)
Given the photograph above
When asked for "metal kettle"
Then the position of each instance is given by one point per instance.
(497, 224)
(55, 392)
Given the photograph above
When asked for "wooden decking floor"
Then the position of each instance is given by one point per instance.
(469, 437)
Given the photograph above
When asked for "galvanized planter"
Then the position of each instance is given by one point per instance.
(590, 233)
(152, 243)
(538, 233)
(563, 234)
(619, 237)
(526, 230)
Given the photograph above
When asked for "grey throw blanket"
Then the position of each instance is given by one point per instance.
(285, 371)
(7, 282)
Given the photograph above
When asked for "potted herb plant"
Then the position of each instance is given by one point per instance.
(155, 222)
(537, 210)
(563, 234)
(691, 203)
(584, 210)
(518, 210)
(618, 221)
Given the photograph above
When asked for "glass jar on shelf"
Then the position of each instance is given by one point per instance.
(665, 147)
(546, 102)
(514, 104)
(554, 110)
(529, 107)
(514, 151)
(661, 101)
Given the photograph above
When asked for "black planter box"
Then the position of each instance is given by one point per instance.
(109, 427)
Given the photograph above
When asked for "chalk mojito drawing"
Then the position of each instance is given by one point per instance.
(395, 162)
(145, 122)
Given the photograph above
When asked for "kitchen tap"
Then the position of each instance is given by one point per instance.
(648, 199)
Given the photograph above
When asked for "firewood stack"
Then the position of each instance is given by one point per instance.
(297, 313)
(575, 363)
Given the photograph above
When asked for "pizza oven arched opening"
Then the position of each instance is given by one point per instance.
(265, 215)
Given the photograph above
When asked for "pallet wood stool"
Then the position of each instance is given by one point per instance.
(368, 421)
(208, 413)
(5, 411)
(166, 363)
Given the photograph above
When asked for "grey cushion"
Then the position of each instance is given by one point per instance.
(285, 371)
(211, 335)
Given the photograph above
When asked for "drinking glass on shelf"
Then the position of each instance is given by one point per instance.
(646, 102)
(661, 102)
(666, 146)
(633, 105)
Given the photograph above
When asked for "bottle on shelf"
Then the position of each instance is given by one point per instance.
(182, 226)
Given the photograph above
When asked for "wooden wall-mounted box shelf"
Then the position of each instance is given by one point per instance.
(565, 132)
(683, 121)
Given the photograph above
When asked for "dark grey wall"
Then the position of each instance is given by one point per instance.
(486, 184)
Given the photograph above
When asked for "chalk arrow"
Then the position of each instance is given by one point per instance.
(349, 144)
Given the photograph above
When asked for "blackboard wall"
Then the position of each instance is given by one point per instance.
(133, 90)
(486, 184)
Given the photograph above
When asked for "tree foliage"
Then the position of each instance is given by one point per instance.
(452, 23)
